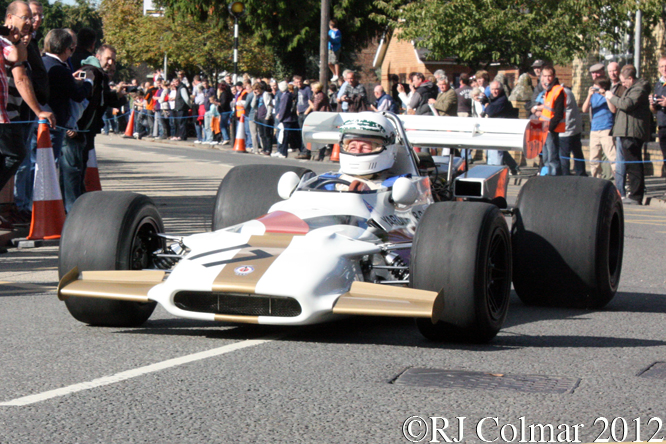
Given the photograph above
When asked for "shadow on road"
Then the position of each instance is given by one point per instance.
(185, 203)
(403, 332)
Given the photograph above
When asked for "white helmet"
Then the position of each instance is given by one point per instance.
(367, 144)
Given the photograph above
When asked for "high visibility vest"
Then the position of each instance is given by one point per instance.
(548, 103)
(240, 110)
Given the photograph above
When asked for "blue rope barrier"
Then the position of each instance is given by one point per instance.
(608, 161)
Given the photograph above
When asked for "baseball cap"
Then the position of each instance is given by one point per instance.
(538, 63)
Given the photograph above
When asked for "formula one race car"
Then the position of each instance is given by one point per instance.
(393, 233)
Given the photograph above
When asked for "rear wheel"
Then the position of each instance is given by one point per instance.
(463, 249)
(110, 231)
(247, 192)
(568, 241)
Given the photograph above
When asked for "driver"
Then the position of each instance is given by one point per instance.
(367, 152)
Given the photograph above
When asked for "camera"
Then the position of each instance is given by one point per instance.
(596, 88)
(81, 75)
(4, 30)
(131, 89)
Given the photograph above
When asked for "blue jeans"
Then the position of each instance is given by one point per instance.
(569, 145)
(172, 123)
(224, 125)
(551, 154)
(73, 159)
(199, 129)
(162, 125)
(57, 136)
(208, 131)
(25, 175)
(248, 134)
(496, 157)
(620, 168)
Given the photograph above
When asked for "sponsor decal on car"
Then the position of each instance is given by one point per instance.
(244, 270)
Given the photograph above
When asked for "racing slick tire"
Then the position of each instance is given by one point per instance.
(247, 192)
(568, 240)
(110, 231)
(463, 249)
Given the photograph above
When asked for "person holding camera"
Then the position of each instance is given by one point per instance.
(97, 69)
(601, 124)
(657, 106)
(58, 47)
(632, 126)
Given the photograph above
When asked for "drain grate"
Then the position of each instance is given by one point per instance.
(426, 377)
(656, 371)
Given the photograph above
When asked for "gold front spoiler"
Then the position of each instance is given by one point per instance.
(120, 285)
(363, 298)
(382, 300)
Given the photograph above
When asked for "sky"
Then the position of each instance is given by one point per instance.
(67, 2)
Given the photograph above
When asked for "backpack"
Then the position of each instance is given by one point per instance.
(261, 109)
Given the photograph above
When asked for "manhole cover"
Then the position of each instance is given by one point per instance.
(426, 377)
(656, 370)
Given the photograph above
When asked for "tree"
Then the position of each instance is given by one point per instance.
(513, 31)
(189, 44)
(289, 29)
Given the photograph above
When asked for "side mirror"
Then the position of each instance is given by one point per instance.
(287, 184)
(404, 192)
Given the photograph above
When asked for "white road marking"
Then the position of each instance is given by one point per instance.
(129, 374)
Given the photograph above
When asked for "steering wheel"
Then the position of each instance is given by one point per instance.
(336, 180)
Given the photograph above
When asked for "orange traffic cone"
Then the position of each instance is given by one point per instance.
(91, 179)
(48, 211)
(335, 153)
(239, 143)
(129, 129)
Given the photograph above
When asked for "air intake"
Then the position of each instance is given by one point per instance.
(237, 304)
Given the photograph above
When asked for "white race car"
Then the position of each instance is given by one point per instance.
(394, 233)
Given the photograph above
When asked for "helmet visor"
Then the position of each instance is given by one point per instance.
(359, 145)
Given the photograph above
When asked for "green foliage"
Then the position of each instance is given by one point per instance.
(289, 29)
(513, 31)
(190, 44)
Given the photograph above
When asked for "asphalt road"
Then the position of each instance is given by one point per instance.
(179, 381)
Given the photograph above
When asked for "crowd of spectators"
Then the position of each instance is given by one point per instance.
(63, 84)
(67, 83)
(274, 112)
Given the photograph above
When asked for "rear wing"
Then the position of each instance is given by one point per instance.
(524, 135)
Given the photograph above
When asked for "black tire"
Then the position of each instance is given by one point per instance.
(247, 192)
(568, 240)
(110, 231)
(464, 250)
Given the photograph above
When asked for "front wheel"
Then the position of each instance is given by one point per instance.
(463, 249)
(110, 231)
